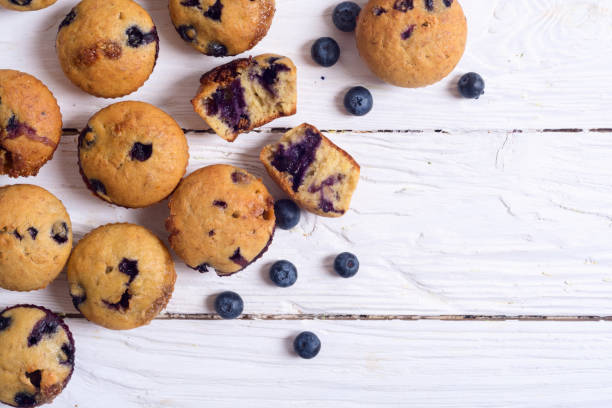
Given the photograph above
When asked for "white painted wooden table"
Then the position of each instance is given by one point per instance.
(483, 228)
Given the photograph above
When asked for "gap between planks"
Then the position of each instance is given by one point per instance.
(369, 317)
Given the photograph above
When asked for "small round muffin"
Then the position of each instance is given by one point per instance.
(121, 276)
(222, 27)
(107, 48)
(411, 43)
(26, 5)
(132, 154)
(220, 217)
(36, 356)
(30, 124)
(35, 237)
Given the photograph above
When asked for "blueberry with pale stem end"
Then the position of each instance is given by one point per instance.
(346, 265)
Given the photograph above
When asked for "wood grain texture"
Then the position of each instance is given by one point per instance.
(494, 223)
(361, 364)
(546, 64)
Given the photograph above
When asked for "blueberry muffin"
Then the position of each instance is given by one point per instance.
(26, 5)
(30, 124)
(107, 48)
(121, 276)
(411, 43)
(132, 154)
(36, 356)
(313, 171)
(222, 27)
(35, 237)
(246, 93)
(220, 217)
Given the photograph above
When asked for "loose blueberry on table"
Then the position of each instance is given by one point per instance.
(307, 345)
(283, 273)
(325, 51)
(345, 16)
(229, 305)
(358, 101)
(287, 214)
(346, 265)
(471, 85)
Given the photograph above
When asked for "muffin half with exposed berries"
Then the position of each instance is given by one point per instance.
(26, 5)
(132, 154)
(220, 217)
(36, 357)
(222, 27)
(107, 48)
(30, 124)
(246, 93)
(121, 276)
(35, 237)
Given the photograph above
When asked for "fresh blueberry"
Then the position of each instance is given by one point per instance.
(325, 51)
(283, 273)
(358, 101)
(307, 345)
(229, 305)
(287, 214)
(346, 265)
(471, 85)
(345, 16)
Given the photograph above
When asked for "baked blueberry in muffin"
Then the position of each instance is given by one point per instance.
(222, 27)
(312, 170)
(26, 5)
(36, 356)
(246, 93)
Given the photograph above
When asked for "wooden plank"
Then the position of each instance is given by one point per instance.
(473, 223)
(374, 364)
(546, 64)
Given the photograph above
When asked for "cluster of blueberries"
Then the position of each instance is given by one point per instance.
(229, 305)
(358, 100)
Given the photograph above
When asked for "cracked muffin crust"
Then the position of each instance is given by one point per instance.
(220, 217)
(26, 5)
(313, 171)
(30, 124)
(121, 276)
(132, 154)
(108, 48)
(222, 27)
(36, 357)
(246, 93)
(35, 237)
(411, 43)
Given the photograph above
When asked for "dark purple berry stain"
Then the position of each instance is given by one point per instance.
(237, 258)
(17, 235)
(35, 377)
(5, 322)
(137, 38)
(187, 32)
(378, 11)
(14, 129)
(44, 327)
(202, 268)
(214, 11)
(21, 2)
(129, 267)
(429, 5)
(33, 232)
(448, 3)
(228, 102)
(211, 233)
(325, 204)
(216, 49)
(123, 304)
(87, 142)
(403, 5)
(59, 232)
(408, 32)
(77, 300)
(141, 152)
(68, 19)
(24, 400)
(68, 350)
(239, 178)
(97, 186)
(296, 159)
(190, 3)
(269, 76)
(220, 203)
